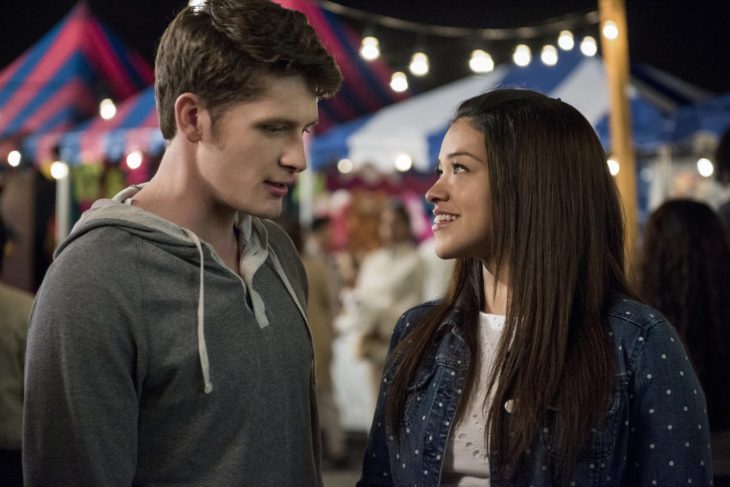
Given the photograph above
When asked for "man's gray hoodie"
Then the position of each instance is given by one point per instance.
(150, 362)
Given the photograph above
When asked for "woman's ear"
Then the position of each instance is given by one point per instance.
(190, 117)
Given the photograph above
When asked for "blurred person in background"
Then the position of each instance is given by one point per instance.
(389, 281)
(537, 367)
(15, 306)
(685, 274)
(321, 305)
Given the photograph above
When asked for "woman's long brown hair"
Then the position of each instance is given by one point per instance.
(557, 230)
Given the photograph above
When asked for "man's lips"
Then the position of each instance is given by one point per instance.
(278, 188)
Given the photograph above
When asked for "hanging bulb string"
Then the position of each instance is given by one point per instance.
(550, 26)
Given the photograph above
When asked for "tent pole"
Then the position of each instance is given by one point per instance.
(616, 62)
(63, 208)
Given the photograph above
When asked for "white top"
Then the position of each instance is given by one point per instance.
(466, 463)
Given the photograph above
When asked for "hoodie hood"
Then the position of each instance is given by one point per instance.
(185, 244)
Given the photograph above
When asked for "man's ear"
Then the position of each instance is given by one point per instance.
(191, 116)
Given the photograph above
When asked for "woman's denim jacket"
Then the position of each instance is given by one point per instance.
(655, 431)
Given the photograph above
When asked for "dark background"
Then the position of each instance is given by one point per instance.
(689, 39)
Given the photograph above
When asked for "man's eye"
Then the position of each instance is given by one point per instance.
(274, 129)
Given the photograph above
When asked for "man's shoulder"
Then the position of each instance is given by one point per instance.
(104, 242)
(104, 254)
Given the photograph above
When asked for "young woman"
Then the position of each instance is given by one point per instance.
(685, 274)
(537, 367)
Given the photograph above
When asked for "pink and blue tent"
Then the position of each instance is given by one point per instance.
(365, 88)
(57, 83)
(135, 126)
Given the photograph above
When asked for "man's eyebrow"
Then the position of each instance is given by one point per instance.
(285, 122)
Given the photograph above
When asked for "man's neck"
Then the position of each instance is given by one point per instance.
(177, 194)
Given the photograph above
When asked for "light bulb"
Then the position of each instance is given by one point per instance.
(107, 109)
(588, 46)
(549, 55)
(399, 82)
(59, 170)
(565, 40)
(480, 61)
(134, 159)
(14, 158)
(610, 29)
(370, 48)
(522, 55)
(419, 64)
(403, 162)
(705, 167)
(613, 166)
(345, 166)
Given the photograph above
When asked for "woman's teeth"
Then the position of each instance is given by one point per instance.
(444, 218)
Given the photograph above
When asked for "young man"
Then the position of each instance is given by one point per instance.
(169, 343)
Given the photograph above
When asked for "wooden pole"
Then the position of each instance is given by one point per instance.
(616, 62)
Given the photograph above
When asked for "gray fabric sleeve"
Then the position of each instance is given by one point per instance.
(80, 422)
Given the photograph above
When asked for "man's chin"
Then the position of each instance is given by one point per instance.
(268, 213)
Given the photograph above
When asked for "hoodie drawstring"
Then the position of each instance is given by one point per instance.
(202, 348)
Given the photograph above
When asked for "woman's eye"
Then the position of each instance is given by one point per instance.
(458, 168)
(438, 171)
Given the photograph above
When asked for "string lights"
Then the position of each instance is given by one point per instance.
(419, 64)
(370, 48)
(399, 82)
(566, 42)
(545, 38)
(588, 46)
(522, 55)
(481, 62)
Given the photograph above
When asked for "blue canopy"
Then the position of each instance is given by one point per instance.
(706, 117)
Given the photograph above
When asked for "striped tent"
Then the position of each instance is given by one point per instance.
(366, 84)
(57, 83)
(135, 126)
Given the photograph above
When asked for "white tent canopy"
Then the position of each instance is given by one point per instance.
(416, 126)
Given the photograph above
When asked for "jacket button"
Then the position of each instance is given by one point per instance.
(509, 405)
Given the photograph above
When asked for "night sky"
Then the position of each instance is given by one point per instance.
(689, 39)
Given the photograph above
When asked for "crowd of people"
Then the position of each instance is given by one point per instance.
(182, 337)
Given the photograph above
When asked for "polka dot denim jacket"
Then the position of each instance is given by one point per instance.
(655, 432)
